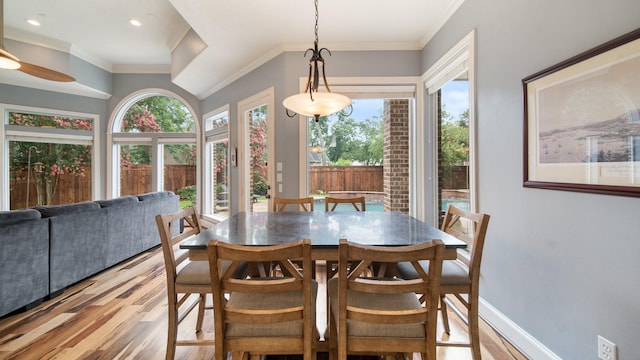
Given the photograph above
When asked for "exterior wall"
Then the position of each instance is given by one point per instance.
(396, 155)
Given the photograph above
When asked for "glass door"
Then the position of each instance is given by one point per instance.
(254, 153)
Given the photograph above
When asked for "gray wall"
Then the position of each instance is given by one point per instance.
(561, 265)
(283, 73)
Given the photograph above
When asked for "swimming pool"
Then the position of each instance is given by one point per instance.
(378, 205)
(372, 205)
(460, 203)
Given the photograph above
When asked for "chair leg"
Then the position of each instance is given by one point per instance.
(474, 328)
(445, 316)
(201, 306)
(172, 332)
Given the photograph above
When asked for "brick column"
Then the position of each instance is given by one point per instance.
(396, 155)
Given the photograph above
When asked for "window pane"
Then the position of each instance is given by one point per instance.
(158, 114)
(346, 153)
(180, 172)
(217, 122)
(48, 174)
(49, 121)
(453, 179)
(135, 169)
(220, 178)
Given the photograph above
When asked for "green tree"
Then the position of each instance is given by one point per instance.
(47, 160)
(454, 139)
(158, 114)
(258, 148)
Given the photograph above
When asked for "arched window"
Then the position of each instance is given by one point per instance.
(154, 146)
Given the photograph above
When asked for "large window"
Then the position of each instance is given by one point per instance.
(346, 152)
(369, 151)
(49, 159)
(216, 185)
(450, 85)
(154, 147)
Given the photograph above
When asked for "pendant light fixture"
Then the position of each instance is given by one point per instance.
(313, 102)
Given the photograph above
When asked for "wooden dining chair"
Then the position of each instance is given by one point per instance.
(184, 278)
(279, 203)
(331, 203)
(263, 315)
(461, 276)
(384, 316)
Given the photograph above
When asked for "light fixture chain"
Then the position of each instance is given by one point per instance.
(316, 29)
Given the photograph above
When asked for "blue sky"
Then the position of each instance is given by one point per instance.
(455, 96)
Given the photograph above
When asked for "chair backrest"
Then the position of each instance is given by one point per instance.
(470, 228)
(226, 262)
(330, 203)
(170, 237)
(279, 203)
(354, 261)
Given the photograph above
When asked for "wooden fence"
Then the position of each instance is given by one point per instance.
(69, 189)
(72, 189)
(345, 178)
(137, 180)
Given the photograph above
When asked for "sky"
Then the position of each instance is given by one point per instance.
(455, 96)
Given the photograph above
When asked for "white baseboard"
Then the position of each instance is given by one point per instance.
(526, 343)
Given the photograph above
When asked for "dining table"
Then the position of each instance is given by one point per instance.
(325, 229)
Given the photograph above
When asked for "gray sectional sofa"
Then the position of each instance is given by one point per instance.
(46, 249)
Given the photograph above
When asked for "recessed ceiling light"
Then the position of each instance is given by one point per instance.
(135, 22)
(33, 22)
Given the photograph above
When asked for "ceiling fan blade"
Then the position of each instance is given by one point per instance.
(44, 73)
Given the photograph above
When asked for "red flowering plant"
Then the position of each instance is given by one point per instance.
(44, 163)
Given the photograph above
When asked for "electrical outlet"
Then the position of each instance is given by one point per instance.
(606, 349)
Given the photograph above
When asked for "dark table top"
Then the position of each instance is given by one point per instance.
(324, 229)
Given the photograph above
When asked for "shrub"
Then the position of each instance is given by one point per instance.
(188, 193)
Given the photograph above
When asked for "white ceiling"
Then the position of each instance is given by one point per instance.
(239, 35)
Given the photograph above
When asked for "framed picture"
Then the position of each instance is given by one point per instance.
(582, 121)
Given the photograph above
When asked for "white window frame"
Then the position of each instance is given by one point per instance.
(244, 172)
(377, 87)
(458, 60)
(212, 137)
(114, 138)
(55, 136)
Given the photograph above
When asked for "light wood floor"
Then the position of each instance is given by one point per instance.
(121, 314)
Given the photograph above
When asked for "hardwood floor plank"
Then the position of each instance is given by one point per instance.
(121, 314)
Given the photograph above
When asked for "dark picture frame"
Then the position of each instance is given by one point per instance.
(582, 121)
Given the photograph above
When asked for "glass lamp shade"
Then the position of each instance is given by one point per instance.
(323, 103)
(8, 61)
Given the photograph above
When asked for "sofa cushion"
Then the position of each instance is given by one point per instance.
(18, 216)
(121, 201)
(155, 195)
(56, 210)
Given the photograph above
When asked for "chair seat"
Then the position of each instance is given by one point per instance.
(378, 302)
(453, 272)
(264, 302)
(194, 273)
